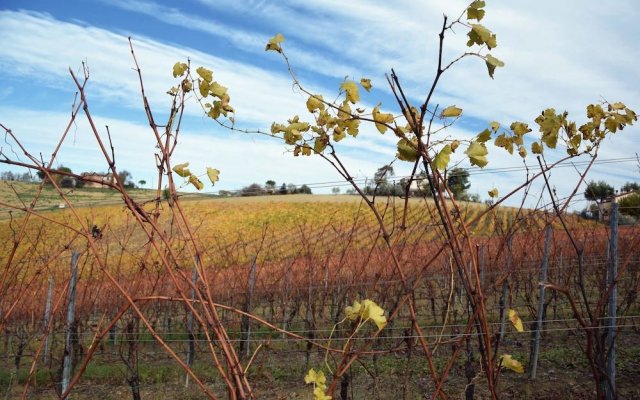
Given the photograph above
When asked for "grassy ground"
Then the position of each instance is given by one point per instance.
(562, 373)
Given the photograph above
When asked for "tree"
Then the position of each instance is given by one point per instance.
(7, 176)
(125, 177)
(335, 190)
(270, 186)
(304, 189)
(291, 188)
(630, 187)
(252, 190)
(142, 182)
(384, 172)
(283, 189)
(381, 183)
(598, 191)
(630, 205)
(458, 182)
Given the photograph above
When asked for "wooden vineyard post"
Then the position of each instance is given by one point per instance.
(245, 327)
(505, 290)
(538, 327)
(47, 317)
(612, 276)
(481, 251)
(285, 300)
(66, 364)
(192, 345)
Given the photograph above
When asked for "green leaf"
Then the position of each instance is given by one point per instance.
(351, 88)
(366, 84)
(182, 170)
(477, 153)
(451, 111)
(179, 68)
(205, 74)
(441, 160)
(406, 152)
(213, 174)
(492, 63)
(274, 43)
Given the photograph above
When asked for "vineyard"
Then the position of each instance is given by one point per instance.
(283, 271)
(394, 291)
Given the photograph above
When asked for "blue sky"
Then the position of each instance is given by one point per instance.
(558, 54)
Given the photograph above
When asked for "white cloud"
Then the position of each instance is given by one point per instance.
(562, 62)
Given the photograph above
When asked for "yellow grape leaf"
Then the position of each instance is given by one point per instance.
(454, 145)
(366, 84)
(367, 310)
(353, 312)
(179, 68)
(315, 103)
(481, 35)
(519, 128)
(515, 320)
(451, 111)
(218, 90)
(506, 361)
(187, 86)
(320, 143)
(205, 74)
(477, 153)
(522, 151)
(375, 313)
(182, 170)
(492, 63)
(213, 174)
(274, 43)
(494, 126)
(318, 394)
(484, 136)
(381, 119)
(350, 87)
(196, 182)
(536, 148)
(315, 377)
(493, 193)
(406, 152)
(441, 160)
(203, 86)
(474, 10)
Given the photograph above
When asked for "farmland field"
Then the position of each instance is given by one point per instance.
(293, 263)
